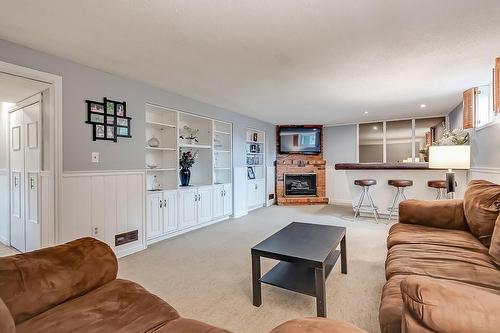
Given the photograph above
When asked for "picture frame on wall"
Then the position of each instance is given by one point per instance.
(250, 173)
(108, 119)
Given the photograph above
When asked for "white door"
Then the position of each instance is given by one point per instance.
(154, 215)
(188, 199)
(218, 201)
(17, 223)
(205, 204)
(32, 165)
(228, 199)
(169, 211)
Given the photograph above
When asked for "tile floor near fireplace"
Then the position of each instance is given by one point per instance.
(301, 184)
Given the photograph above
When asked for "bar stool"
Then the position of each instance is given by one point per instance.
(365, 185)
(440, 186)
(400, 184)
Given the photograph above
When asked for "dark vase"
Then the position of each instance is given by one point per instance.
(185, 175)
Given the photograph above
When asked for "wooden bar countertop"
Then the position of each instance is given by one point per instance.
(382, 166)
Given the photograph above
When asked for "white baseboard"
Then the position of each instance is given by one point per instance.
(129, 250)
(240, 214)
(183, 231)
(341, 202)
(4, 241)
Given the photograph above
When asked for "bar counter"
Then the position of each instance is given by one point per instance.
(343, 190)
(382, 166)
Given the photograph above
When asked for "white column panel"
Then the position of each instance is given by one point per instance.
(240, 192)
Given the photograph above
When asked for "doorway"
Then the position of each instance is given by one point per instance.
(25, 124)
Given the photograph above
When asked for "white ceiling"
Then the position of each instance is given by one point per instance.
(283, 61)
(13, 88)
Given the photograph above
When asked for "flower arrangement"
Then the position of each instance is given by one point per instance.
(457, 137)
(187, 159)
(191, 133)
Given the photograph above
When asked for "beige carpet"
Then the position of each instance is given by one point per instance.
(206, 274)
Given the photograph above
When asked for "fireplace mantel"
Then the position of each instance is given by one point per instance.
(300, 164)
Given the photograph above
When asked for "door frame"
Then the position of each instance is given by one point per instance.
(49, 236)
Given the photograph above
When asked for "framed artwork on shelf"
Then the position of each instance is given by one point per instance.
(250, 173)
(108, 119)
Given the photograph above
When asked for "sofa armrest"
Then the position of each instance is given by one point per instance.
(316, 325)
(435, 305)
(445, 214)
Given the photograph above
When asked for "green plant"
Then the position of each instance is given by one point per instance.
(187, 159)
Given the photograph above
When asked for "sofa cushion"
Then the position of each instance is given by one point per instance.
(416, 234)
(481, 207)
(391, 306)
(34, 282)
(118, 306)
(452, 263)
(432, 305)
(6, 321)
(495, 243)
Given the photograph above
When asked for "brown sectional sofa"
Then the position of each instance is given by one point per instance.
(441, 274)
(73, 288)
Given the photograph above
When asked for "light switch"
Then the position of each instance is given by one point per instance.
(95, 157)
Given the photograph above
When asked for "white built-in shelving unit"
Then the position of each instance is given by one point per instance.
(173, 209)
(256, 168)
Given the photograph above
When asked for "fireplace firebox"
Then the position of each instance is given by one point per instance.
(300, 184)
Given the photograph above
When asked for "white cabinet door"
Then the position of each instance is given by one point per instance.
(218, 201)
(187, 208)
(228, 199)
(260, 192)
(251, 191)
(169, 211)
(205, 204)
(154, 215)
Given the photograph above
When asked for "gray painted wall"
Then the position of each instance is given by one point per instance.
(456, 117)
(485, 152)
(340, 144)
(82, 82)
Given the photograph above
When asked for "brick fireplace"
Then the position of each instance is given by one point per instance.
(300, 179)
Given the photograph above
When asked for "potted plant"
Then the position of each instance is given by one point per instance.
(186, 161)
(190, 136)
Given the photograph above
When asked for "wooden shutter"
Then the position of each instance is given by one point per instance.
(496, 87)
(469, 102)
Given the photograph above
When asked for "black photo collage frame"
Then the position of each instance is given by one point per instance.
(108, 119)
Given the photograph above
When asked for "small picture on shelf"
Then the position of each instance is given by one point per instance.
(250, 160)
(255, 137)
(250, 173)
(253, 148)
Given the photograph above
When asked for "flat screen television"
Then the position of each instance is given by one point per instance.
(300, 140)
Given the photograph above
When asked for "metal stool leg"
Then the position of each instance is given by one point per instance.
(360, 203)
(400, 196)
(375, 212)
(440, 194)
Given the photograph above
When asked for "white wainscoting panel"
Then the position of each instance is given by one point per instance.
(271, 186)
(490, 174)
(47, 209)
(102, 205)
(337, 187)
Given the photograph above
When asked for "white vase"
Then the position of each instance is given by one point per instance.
(153, 142)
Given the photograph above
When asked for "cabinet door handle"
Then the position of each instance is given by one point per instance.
(164, 203)
(161, 203)
(199, 197)
(256, 186)
(32, 183)
(16, 181)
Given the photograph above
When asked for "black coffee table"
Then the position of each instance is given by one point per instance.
(307, 254)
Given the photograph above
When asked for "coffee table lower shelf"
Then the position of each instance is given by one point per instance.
(295, 277)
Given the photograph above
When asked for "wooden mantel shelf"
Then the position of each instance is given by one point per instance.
(382, 166)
